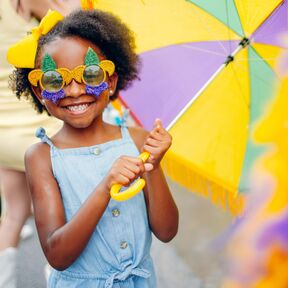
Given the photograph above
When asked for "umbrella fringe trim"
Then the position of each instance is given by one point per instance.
(202, 185)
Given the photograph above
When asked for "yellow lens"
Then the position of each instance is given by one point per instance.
(93, 75)
(52, 81)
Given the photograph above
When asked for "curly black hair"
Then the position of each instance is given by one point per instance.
(105, 30)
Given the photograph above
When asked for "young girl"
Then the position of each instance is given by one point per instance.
(72, 71)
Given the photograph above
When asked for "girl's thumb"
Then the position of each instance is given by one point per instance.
(148, 167)
(158, 123)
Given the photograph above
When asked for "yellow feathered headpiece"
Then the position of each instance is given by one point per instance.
(28, 45)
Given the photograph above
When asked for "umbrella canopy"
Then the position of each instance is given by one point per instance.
(208, 73)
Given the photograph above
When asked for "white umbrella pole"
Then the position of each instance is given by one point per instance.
(237, 50)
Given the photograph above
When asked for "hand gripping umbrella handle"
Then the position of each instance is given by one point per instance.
(133, 189)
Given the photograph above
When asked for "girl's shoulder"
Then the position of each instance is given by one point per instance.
(37, 156)
(138, 135)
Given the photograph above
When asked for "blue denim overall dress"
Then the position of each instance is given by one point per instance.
(118, 253)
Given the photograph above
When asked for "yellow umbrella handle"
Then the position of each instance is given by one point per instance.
(133, 189)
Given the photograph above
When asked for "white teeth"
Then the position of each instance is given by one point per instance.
(77, 108)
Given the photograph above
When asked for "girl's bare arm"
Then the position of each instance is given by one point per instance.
(162, 210)
(61, 242)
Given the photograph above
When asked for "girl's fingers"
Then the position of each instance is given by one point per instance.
(162, 144)
(127, 169)
(156, 135)
(135, 169)
(163, 136)
(123, 176)
(152, 150)
(122, 180)
(130, 174)
(158, 132)
(152, 142)
(133, 164)
(133, 160)
(158, 123)
(158, 126)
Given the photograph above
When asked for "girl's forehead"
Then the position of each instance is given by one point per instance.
(69, 52)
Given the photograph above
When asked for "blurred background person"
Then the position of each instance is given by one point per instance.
(18, 124)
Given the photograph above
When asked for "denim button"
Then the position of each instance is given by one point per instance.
(115, 212)
(123, 245)
(97, 151)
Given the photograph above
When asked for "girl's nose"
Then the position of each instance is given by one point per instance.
(74, 89)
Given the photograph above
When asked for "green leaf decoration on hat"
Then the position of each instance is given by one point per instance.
(48, 63)
(91, 58)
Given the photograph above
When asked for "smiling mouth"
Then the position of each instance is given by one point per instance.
(79, 107)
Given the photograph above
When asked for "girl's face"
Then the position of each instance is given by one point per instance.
(78, 108)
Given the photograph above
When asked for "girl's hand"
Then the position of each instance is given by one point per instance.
(125, 170)
(157, 143)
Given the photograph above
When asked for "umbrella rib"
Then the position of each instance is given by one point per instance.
(253, 18)
(240, 5)
(259, 60)
(203, 50)
(238, 82)
(206, 27)
(239, 48)
(237, 11)
(228, 22)
(254, 75)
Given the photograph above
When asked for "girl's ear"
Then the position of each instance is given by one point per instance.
(37, 91)
(112, 83)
